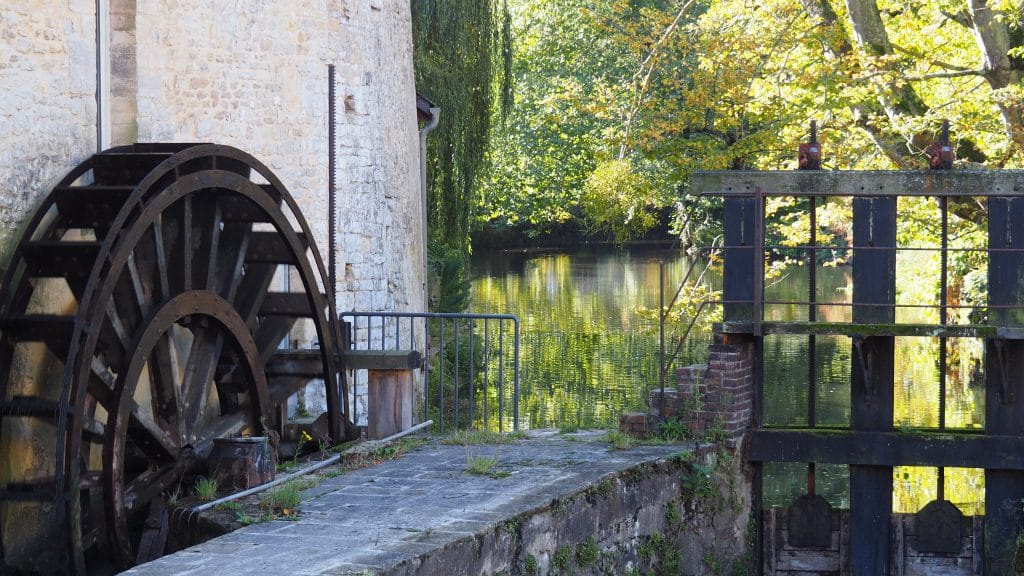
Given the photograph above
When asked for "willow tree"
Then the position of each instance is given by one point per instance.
(462, 54)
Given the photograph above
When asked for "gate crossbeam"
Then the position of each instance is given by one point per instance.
(873, 448)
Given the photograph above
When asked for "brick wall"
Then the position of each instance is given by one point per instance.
(714, 398)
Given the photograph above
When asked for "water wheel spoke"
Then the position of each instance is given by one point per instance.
(143, 265)
(175, 247)
(270, 334)
(148, 434)
(116, 336)
(203, 214)
(186, 243)
(101, 384)
(211, 246)
(151, 483)
(165, 392)
(160, 265)
(234, 243)
(199, 370)
(253, 288)
(143, 297)
(126, 301)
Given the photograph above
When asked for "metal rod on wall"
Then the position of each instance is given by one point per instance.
(332, 225)
(338, 380)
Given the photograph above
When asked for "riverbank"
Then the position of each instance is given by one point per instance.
(566, 235)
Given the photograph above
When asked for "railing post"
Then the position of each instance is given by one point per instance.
(662, 313)
(515, 379)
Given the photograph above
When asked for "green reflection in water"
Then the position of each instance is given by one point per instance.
(587, 356)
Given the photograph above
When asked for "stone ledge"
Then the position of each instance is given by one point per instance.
(424, 514)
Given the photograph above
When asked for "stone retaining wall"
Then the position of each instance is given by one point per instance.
(665, 517)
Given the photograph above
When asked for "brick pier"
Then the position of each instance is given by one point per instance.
(714, 399)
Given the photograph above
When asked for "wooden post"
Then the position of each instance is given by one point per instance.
(389, 388)
(740, 251)
(1004, 393)
(389, 402)
(873, 373)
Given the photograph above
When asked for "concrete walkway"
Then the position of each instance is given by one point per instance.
(393, 515)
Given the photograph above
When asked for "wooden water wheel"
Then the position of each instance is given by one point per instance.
(137, 323)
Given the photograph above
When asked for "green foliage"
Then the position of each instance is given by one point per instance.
(661, 554)
(462, 54)
(670, 87)
(619, 200)
(541, 156)
(569, 74)
(673, 517)
(449, 284)
(395, 449)
(673, 430)
(231, 506)
(531, 565)
(698, 482)
(247, 519)
(562, 559)
(587, 552)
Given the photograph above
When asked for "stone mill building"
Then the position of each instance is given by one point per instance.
(79, 76)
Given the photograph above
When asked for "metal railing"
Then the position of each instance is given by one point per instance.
(470, 374)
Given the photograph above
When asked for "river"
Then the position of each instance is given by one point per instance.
(590, 346)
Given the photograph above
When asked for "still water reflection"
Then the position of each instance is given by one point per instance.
(586, 355)
(589, 353)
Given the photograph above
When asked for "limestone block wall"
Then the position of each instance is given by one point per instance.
(255, 77)
(47, 100)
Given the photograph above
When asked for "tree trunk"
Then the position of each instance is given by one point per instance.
(993, 38)
(870, 34)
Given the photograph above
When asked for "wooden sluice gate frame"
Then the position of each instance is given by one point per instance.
(870, 445)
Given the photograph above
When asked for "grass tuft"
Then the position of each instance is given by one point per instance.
(206, 489)
(477, 437)
(283, 499)
(484, 466)
(619, 440)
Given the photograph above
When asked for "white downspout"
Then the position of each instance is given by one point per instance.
(102, 75)
(435, 117)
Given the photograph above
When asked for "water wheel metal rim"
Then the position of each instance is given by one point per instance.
(188, 171)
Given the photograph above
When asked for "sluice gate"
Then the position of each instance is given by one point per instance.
(809, 536)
